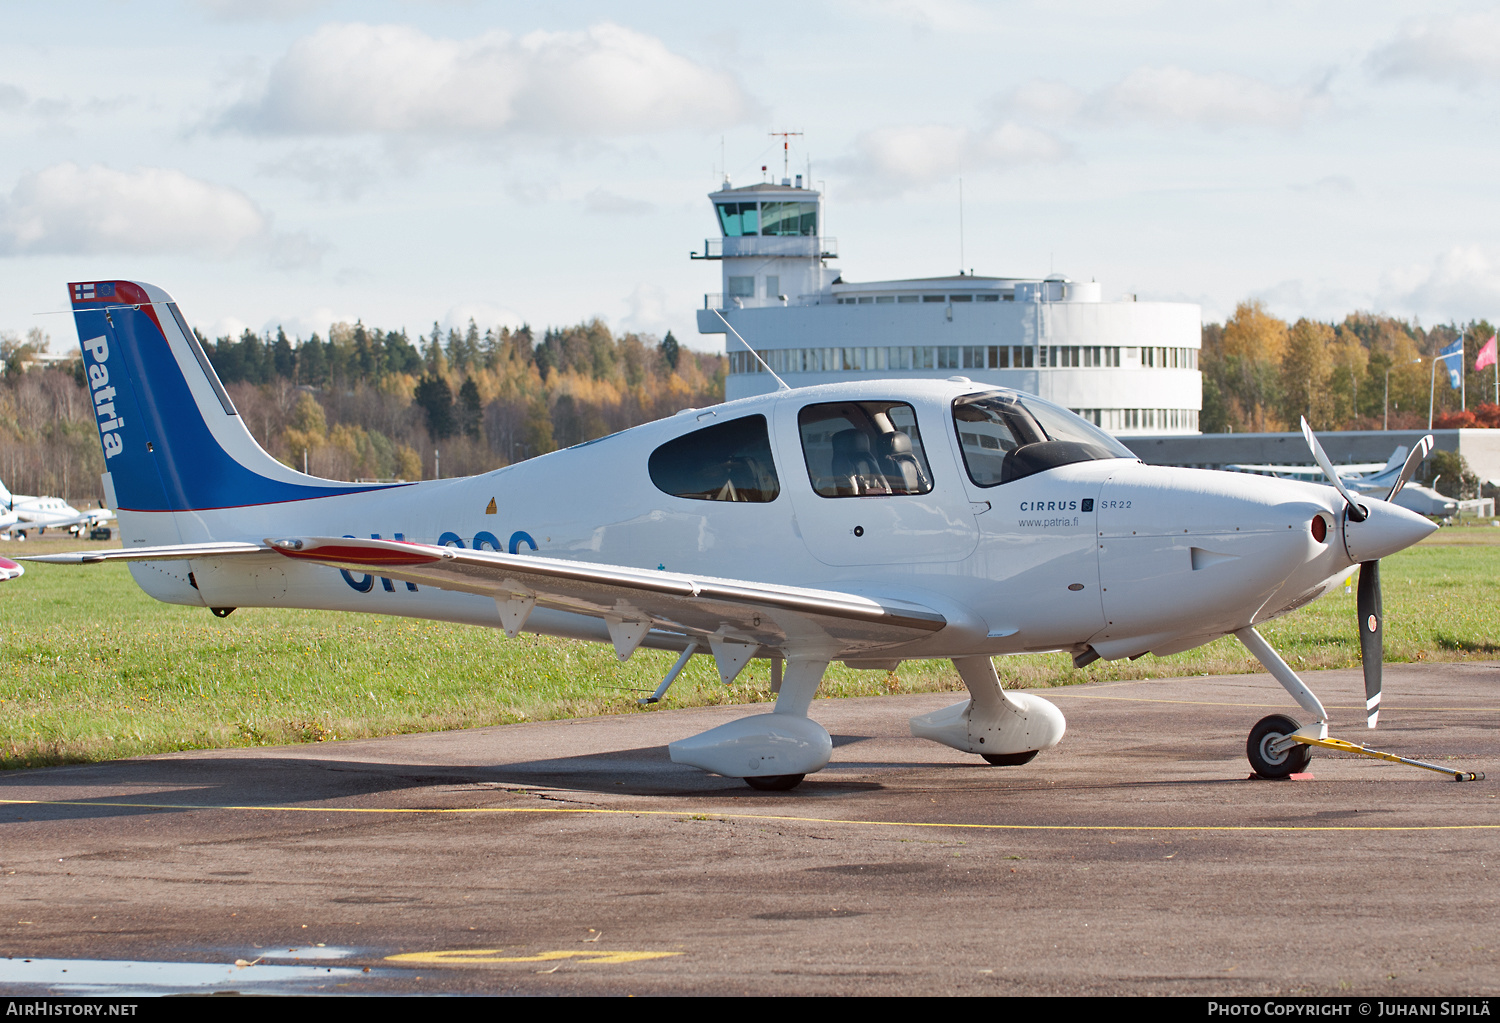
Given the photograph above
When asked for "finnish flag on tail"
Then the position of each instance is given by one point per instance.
(1455, 367)
(91, 291)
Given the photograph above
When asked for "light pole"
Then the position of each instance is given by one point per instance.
(1387, 424)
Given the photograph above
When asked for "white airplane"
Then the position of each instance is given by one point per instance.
(10, 570)
(1371, 478)
(43, 513)
(870, 522)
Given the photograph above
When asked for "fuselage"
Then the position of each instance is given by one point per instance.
(1101, 552)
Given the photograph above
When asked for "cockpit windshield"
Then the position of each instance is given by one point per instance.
(1006, 436)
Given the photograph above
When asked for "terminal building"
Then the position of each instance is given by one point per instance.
(1130, 367)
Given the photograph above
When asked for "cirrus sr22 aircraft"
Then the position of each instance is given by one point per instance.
(870, 522)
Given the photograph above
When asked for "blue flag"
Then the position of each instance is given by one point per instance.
(1454, 365)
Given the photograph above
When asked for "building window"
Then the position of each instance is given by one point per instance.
(739, 219)
(932, 298)
(885, 299)
(903, 299)
(960, 298)
(773, 286)
(991, 297)
(742, 287)
(789, 218)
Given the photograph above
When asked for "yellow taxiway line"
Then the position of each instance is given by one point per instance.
(777, 818)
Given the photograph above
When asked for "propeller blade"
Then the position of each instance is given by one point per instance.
(1356, 512)
(1421, 450)
(1371, 633)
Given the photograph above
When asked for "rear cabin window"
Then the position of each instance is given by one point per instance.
(724, 462)
(863, 449)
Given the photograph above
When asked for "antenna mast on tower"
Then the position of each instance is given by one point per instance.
(786, 150)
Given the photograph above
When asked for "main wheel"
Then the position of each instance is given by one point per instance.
(775, 782)
(1010, 759)
(1276, 765)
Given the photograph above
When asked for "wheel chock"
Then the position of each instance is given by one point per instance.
(1375, 754)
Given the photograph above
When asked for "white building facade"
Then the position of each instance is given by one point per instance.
(1130, 367)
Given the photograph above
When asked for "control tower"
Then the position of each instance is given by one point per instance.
(1128, 366)
(772, 252)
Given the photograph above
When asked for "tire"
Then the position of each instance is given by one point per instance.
(1011, 759)
(1276, 765)
(775, 782)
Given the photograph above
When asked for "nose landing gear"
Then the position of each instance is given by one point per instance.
(1270, 756)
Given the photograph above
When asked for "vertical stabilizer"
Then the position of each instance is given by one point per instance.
(172, 438)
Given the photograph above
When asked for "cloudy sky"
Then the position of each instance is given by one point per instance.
(294, 162)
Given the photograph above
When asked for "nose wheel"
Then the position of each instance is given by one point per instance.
(1267, 758)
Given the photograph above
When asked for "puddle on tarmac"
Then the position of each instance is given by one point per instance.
(114, 977)
(282, 953)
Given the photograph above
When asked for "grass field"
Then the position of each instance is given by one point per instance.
(93, 669)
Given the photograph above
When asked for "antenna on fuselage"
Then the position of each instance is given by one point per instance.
(753, 352)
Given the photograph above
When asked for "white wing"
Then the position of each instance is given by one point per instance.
(632, 599)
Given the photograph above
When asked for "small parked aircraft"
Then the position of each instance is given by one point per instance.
(869, 522)
(23, 512)
(1373, 479)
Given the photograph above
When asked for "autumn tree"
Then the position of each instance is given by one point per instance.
(1305, 367)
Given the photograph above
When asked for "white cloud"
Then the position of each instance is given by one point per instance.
(930, 15)
(1459, 49)
(71, 210)
(650, 312)
(603, 201)
(328, 172)
(484, 314)
(259, 10)
(1463, 282)
(906, 156)
(1211, 100)
(394, 80)
(1170, 95)
(1044, 99)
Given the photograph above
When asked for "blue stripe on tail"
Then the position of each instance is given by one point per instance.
(158, 446)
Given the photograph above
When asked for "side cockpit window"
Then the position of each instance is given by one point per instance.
(863, 448)
(724, 462)
(1005, 437)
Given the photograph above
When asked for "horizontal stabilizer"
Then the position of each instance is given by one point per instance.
(171, 552)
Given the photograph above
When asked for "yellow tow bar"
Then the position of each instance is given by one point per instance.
(1354, 747)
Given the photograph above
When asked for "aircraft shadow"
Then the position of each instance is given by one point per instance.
(149, 787)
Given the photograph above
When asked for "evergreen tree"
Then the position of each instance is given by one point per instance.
(470, 410)
(312, 362)
(436, 399)
(670, 351)
(283, 359)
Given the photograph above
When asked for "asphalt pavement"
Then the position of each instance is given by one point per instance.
(572, 857)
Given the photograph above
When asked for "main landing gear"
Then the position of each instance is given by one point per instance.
(771, 752)
(1005, 728)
